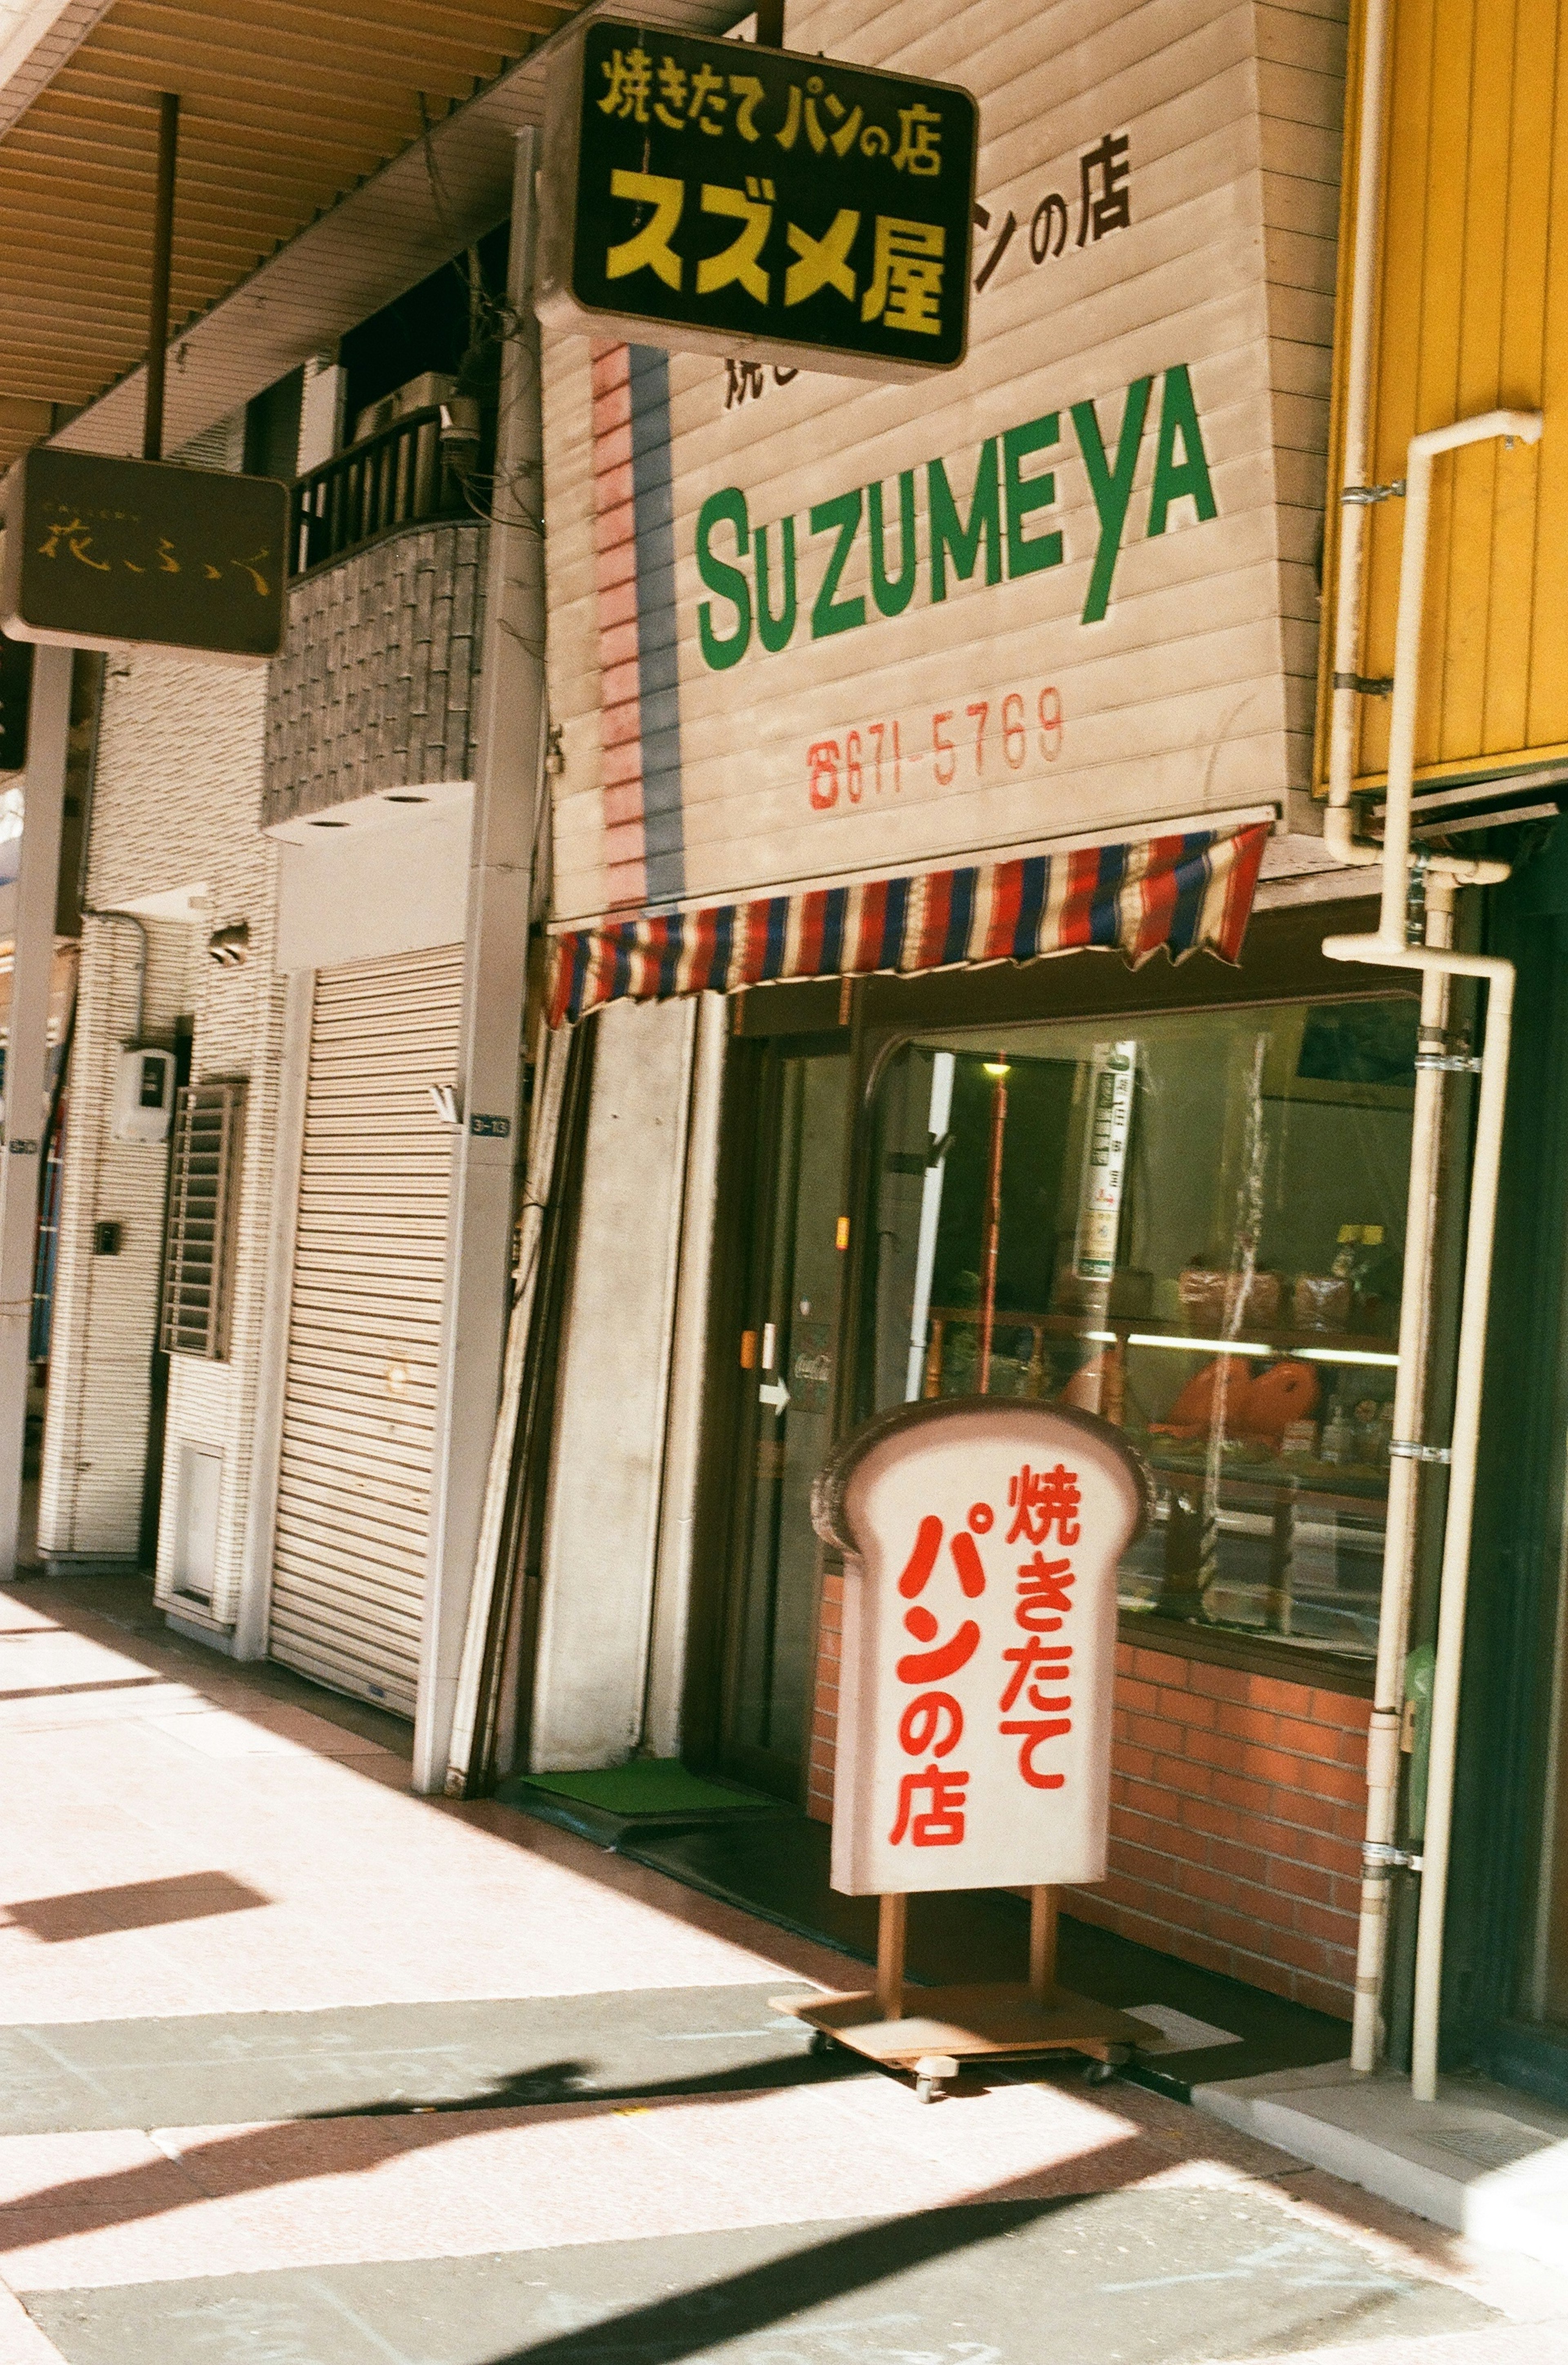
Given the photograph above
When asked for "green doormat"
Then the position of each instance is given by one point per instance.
(651, 1794)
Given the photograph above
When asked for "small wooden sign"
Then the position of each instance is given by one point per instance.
(979, 1635)
(108, 554)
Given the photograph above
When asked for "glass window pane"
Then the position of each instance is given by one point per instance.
(1194, 1225)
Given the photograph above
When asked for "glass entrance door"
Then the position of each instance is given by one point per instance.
(787, 1376)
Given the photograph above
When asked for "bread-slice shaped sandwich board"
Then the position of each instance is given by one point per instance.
(981, 1538)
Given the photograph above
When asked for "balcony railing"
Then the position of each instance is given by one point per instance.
(420, 468)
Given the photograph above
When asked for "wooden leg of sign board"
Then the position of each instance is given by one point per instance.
(1042, 1945)
(933, 2031)
(892, 1925)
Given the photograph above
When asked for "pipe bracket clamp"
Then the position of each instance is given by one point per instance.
(1363, 496)
(1409, 1449)
(1378, 1858)
(1449, 1063)
(1377, 685)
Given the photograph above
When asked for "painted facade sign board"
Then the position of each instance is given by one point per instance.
(746, 202)
(107, 554)
(980, 1638)
(808, 631)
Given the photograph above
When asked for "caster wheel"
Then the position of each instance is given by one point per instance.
(928, 2090)
(821, 2043)
(1100, 2073)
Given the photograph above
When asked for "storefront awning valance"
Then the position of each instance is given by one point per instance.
(1190, 894)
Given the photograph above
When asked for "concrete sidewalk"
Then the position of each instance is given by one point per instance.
(298, 2070)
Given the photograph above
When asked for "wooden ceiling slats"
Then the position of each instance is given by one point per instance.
(286, 106)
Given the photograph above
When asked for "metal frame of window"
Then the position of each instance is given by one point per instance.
(198, 1248)
(1283, 963)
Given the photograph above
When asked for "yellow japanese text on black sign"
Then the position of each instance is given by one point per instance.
(731, 198)
(104, 553)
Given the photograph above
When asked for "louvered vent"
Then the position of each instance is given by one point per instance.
(199, 1252)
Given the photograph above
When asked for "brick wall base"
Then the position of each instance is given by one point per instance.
(1237, 1809)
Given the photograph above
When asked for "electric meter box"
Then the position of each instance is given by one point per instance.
(144, 1095)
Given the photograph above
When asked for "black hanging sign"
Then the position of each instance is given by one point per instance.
(102, 553)
(718, 197)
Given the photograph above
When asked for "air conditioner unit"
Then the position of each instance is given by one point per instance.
(144, 1095)
(421, 393)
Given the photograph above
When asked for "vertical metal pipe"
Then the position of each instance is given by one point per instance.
(1400, 1518)
(162, 256)
(1388, 949)
(993, 1234)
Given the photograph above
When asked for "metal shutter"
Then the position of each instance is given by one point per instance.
(359, 1407)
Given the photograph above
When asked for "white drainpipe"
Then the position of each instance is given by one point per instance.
(1387, 948)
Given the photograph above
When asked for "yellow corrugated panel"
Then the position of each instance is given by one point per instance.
(1472, 316)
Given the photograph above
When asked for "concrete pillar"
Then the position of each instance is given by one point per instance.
(26, 1055)
(510, 746)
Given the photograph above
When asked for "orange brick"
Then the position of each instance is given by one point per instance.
(1325, 1995)
(1138, 1863)
(1246, 1863)
(1214, 1887)
(1322, 1922)
(1188, 1779)
(1204, 1815)
(1145, 1797)
(1282, 1768)
(1278, 1911)
(1137, 1896)
(1302, 1953)
(1160, 1667)
(1211, 1748)
(1251, 1797)
(1341, 1709)
(1300, 1880)
(1323, 1849)
(1273, 1692)
(1148, 1732)
(1131, 1760)
(1346, 1784)
(1188, 1845)
(1218, 1683)
(1351, 1748)
(1254, 1724)
(1308, 1740)
(1137, 1698)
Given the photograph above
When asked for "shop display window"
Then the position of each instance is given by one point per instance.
(1191, 1223)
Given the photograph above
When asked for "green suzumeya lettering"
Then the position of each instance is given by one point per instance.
(987, 525)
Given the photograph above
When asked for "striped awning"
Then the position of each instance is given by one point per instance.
(1192, 893)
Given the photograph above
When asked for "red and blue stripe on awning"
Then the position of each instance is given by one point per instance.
(1189, 893)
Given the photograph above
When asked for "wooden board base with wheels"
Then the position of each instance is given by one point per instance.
(1001, 2020)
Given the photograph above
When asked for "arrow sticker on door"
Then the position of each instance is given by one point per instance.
(775, 1394)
